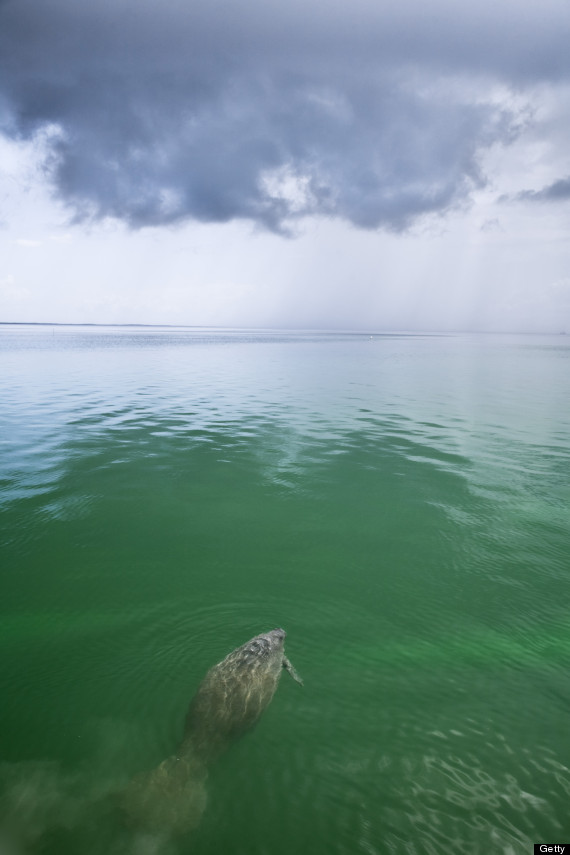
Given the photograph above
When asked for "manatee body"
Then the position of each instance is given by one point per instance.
(233, 695)
(230, 699)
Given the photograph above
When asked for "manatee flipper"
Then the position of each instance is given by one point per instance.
(288, 667)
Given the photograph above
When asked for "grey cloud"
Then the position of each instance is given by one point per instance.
(157, 113)
(558, 191)
(492, 225)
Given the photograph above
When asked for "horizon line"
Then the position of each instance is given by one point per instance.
(361, 330)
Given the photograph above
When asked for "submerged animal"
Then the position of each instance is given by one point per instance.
(230, 700)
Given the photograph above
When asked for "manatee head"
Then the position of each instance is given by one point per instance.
(268, 645)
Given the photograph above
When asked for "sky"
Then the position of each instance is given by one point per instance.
(331, 165)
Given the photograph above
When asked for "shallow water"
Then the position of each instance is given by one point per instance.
(400, 504)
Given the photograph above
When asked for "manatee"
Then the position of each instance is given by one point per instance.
(230, 700)
(233, 695)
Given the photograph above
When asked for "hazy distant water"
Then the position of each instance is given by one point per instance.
(399, 504)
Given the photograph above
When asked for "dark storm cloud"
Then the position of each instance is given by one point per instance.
(158, 112)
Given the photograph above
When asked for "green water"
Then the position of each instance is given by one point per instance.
(399, 504)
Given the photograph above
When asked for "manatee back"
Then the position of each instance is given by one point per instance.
(231, 698)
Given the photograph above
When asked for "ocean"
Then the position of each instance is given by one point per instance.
(398, 503)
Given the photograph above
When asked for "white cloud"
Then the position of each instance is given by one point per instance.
(12, 295)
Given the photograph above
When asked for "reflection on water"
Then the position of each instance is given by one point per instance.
(398, 503)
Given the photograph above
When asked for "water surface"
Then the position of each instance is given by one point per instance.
(398, 503)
